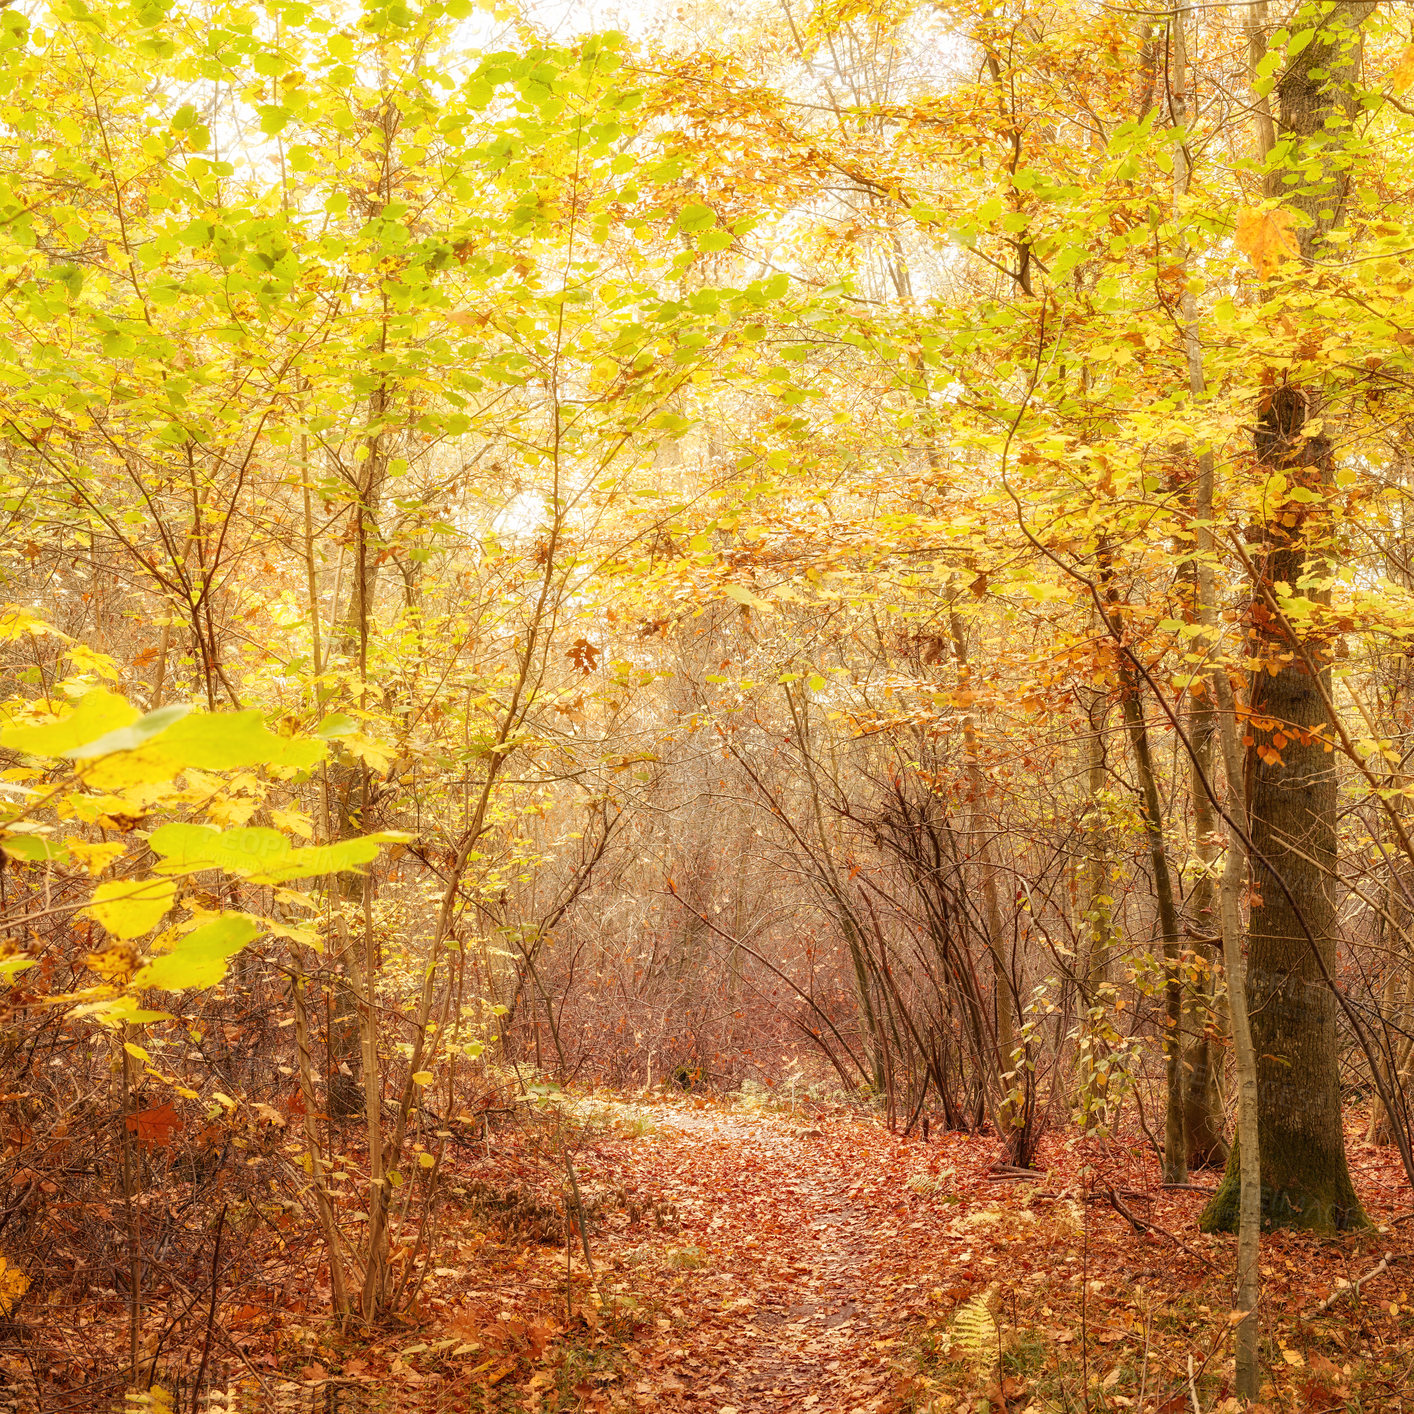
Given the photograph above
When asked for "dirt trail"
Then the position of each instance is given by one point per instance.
(789, 1295)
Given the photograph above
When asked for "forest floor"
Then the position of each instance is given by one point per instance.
(750, 1259)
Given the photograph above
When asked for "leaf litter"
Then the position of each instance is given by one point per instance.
(746, 1262)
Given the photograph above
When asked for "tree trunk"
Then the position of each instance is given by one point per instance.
(1291, 928)
(1202, 1099)
(1099, 900)
(1175, 1141)
(1223, 717)
(1003, 989)
(1398, 1011)
(1137, 730)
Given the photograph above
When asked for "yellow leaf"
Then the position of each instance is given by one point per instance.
(95, 857)
(114, 964)
(308, 937)
(1293, 1357)
(747, 599)
(16, 621)
(13, 1285)
(1403, 74)
(128, 908)
(373, 754)
(293, 822)
(98, 713)
(1266, 239)
(422, 1077)
(89, 660)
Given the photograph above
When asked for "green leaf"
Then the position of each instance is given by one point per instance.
(128, 908)
(200, 959)
(34, 849)
(1066, 260)
(130, 738)
(210, 741)
(258, 854)
(226, 741)
(99, 712)
(696, 218)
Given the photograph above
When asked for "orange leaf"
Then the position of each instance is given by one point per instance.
(1266, 239)
(1403, 74)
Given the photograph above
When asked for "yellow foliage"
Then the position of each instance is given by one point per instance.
(1266, 239)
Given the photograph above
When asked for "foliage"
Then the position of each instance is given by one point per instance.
(689, 559)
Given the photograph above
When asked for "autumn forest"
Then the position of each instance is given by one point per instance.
(706, 707)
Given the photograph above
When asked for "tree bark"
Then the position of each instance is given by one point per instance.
(1004, 999)
(1223, 720)
(1202, 1099)
(1291, 928)
(1292, 925)
(1175, 1141)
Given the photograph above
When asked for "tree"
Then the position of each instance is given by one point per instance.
(1291, 928)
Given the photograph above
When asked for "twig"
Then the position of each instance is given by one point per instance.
(582, 1214)
(15, 1207)
(1145, 1225)
(1381, 1266)
(211, 1312)
(130, 1212)
(1144, 1367)
(1193, 1388)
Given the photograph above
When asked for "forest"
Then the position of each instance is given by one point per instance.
(706, 706)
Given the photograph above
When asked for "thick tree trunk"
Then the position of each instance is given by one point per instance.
(1291, 929)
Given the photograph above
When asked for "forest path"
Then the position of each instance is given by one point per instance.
(801, 1254)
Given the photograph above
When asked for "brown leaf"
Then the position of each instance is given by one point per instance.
(155, 1127)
